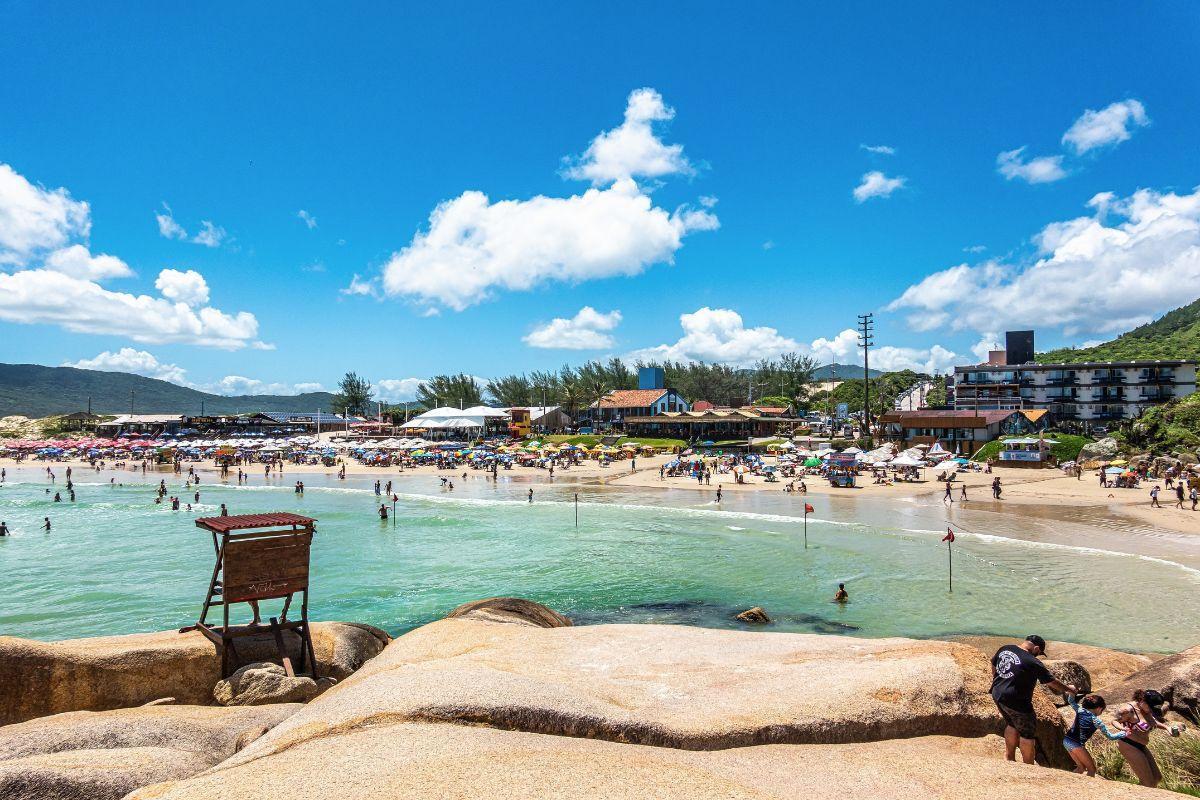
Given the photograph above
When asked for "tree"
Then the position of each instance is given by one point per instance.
(353, 395)
(937, 395)
(459, 391)
(511, 390)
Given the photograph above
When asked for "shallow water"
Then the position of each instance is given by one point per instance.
(117, 563)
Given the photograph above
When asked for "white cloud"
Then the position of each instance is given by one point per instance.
(34, 220)
(234, 385)
(989, 342)
(769, 244)
(398, 390)
(77, 262)
(361, 286)
(719, 335)
(975, 248)
(879, 149)
(167, 226)
(1109, 125)
(308, 218)
(139, 362)
(632, 150)
(58, 282)
(210, 235)
(1043, 169)
(876, 184)
(1090, 276)
(474, 246)
(188, 287)
(587, 330)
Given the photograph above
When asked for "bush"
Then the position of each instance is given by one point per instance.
(1178, 758)
(1067, 447)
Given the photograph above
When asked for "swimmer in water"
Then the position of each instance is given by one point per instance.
(840, 596)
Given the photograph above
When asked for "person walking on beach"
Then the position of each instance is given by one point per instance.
(531, 495)
(1179, 495)
(962, 495)
(1194, 496)
(996, 487)
(948, 498)
(1154, 497)
(1015, 672)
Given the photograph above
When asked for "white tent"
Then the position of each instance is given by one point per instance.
(906, 461)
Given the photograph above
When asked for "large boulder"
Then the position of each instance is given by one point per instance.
(754, 616)
(1100, 450)
(263, 683)
(669, 686)
(511, 609)
(409, 760)
(1177, 677)
(105, 755)
(41, 678)
(1069, 672)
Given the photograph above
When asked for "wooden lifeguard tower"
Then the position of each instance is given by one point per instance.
(259, 557)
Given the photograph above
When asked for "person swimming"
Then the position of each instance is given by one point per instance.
(841, 596)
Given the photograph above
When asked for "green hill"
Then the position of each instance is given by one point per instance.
(842, 371)
(32, 390)
(1175, 335)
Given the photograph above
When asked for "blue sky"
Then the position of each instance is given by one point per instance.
(718, 216)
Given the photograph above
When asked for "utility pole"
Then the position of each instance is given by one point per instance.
(866, 328)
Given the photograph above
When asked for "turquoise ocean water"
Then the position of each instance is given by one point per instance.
(117, 563)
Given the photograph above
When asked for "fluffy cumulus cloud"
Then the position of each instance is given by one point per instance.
(397, 390)
(474, 247)
(1101, 274)
(34, 220)
(188, 287)
(1013, 165)
(587, 330)
(78, 262)
(139, 362)
(1110, 125)
(53, 278)
(632, 150)
(719, 335)
(876, 184)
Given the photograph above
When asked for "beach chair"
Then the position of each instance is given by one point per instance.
(259, 557)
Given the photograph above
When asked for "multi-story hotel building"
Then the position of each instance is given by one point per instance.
(1096, 392)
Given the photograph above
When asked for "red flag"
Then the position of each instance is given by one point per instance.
(949, 537)
(808, 509)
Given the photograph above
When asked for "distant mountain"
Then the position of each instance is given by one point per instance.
(841, 372)
(1175, 335)
(32, 390)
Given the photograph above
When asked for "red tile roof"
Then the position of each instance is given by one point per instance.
(702, 405)
(631, 398)
(244, 521)
(934, 418)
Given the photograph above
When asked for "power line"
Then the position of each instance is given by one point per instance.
(866, 339)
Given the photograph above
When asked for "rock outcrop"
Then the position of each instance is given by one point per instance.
(1070, 672)
(264, 683)
(105, 755)
(511, 609)
(753, 616)
(1101, 450)
(1177, 677)
(448, 761)
(42, 678)
(669, 686)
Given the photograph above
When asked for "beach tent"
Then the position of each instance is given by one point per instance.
(906, 461)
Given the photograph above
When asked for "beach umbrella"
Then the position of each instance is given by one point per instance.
(812, 461)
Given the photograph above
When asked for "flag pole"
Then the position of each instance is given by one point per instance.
(807, 510)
